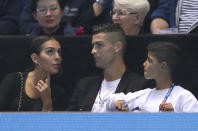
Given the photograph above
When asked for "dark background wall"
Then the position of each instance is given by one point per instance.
(78, 61)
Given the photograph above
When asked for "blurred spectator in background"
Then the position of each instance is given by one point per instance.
(85, 13)
(147, 19)
(27, 22)
(88, 13)
(44, 17)
(175, 16)
(9, 15)
(130, 15)
(49, 14)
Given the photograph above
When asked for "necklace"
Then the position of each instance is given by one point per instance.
(109, 88)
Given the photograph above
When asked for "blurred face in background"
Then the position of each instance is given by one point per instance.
(48, 14)
(127, 20)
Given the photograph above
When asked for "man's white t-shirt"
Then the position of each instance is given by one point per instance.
(107, 89)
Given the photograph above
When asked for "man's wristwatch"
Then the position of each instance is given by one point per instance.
(100, 1)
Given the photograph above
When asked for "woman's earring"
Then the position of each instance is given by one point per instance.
(39, 64)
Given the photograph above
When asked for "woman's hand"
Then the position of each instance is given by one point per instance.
(45, 93)
(166, 107)
(118, 105)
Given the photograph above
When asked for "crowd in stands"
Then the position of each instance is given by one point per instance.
(77, 17)
(26, 17)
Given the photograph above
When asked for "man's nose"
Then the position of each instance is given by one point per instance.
(93, 51)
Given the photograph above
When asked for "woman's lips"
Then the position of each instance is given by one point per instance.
(49, 21)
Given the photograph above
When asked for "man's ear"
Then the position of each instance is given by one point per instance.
(118, 46)
(164, 65)
(35, 58)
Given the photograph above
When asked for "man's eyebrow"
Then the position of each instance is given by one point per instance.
(98, 42)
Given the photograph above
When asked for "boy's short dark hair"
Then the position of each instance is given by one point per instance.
(165, 51)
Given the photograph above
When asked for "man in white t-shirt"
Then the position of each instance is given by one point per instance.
(91, 93)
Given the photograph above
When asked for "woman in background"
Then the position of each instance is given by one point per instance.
(130, 14)
(49, 15)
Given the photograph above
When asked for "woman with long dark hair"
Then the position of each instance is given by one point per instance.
(33, 89)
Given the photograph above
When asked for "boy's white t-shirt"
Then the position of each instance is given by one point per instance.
(150, 99)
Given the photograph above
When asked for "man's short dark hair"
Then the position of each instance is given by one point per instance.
(114, 33)
(165, 52)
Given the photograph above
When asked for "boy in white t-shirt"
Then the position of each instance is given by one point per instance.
(160, 63)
